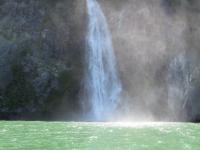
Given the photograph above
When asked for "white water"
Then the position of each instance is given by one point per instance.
(102, 85)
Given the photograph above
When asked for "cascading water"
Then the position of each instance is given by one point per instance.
(102, 85)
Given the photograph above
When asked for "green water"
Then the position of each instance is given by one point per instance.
(98, 136)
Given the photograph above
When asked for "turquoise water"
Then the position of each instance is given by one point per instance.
(98, 136)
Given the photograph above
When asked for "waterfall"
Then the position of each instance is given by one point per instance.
(102, 85)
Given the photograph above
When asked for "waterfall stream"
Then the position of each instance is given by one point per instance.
(102, 85)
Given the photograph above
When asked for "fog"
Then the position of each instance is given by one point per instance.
(157, 47)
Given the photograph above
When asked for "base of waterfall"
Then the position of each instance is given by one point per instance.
(98, 136)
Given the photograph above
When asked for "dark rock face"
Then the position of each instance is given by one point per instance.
(41, 50)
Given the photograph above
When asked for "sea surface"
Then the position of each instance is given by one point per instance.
(98, 136)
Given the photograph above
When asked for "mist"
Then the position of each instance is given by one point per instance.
(157, 48)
